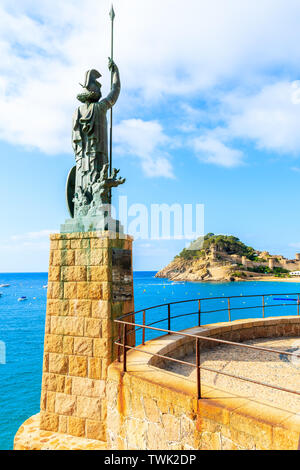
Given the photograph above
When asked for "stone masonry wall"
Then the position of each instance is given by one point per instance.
(79, 333)
(153, 409)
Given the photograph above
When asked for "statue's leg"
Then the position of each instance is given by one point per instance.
(94, 168)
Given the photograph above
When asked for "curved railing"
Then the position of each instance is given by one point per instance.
(128, 323)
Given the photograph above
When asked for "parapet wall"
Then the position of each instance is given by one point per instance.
(151, 408)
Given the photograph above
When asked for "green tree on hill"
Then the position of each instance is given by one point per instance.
(226, 243)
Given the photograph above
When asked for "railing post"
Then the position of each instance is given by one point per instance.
(229, 312)
(263, 306)
(298, 306)
(199, 312)
(169, 317)
(144, 322)
(198, 368)
(119, 341)
(124, 348)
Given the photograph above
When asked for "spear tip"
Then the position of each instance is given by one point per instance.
(112, 13)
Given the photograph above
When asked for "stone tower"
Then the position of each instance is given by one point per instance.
(90, 284)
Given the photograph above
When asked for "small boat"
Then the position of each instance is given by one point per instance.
(4, 285)
(21, 299)
(45, 287)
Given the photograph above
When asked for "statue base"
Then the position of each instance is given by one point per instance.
(99, 223)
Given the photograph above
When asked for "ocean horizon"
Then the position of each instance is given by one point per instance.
(22, 328)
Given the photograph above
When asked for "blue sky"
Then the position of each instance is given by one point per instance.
(209, 114)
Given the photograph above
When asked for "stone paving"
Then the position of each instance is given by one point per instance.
(273, 369)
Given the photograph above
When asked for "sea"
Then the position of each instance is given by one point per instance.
(22, 326)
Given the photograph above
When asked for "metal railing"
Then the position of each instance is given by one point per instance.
(129, 326)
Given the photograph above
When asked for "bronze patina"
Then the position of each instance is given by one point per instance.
(89, 183)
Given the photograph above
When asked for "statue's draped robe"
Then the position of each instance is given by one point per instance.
(89, 137)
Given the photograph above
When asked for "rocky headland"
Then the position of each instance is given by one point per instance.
(222, 258)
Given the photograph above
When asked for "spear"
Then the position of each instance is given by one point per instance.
(112, 17)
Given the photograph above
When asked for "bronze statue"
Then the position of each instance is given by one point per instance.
(89, 140)
(90, 182)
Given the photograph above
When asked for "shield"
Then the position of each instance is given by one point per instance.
(70, 190)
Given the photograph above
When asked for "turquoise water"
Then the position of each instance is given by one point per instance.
(22, 328)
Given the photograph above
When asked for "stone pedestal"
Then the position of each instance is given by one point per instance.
(88, 287)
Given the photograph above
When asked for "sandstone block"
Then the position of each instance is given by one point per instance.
(82, 257)
(96, 257)
(83, 290)
(106, 290)
(101, 309)
(95, 430)
(55, 382)
(54, 273)
(92, 327)
(94, 368)
(63, 424)
(58, 363)
(51, 402)
(70, 290)
(75, 244)
(98, 273)
(100, 348)
(83, 346)
(73, 326)
(46, 362)
(88, 388)
(80, 308)
(78, 366)
(89, 408)
(171, 427)
(68, 257)
(68, 385)
(53, 343)
(55, 290)
(48, 421)
(98, 243)
(95, 290)
(76, 426)
(68, 345)
(151, 409)
(43, 402)
(73, 273)
(65, 404)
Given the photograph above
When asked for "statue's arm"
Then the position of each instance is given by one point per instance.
(116, 85)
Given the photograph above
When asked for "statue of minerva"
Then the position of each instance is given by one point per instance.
(89, 186)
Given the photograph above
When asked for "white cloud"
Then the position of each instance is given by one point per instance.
(32, 236)
(270, 117)
(211, 150)
(163, 48)
(145, 140)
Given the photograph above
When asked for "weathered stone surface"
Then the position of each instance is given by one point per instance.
(76, 426)
(100, 348)
(53, 343)
(85, 387)
(31, 437)
(49, 421)
(78, 366)
(95, 430)
(89, 408)
(65, 404)
(94, 368)
(73, 273)
(68, 345)
(92, 328)
(101, 309)
(83, 346)
(80, 308)
(58, 363)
